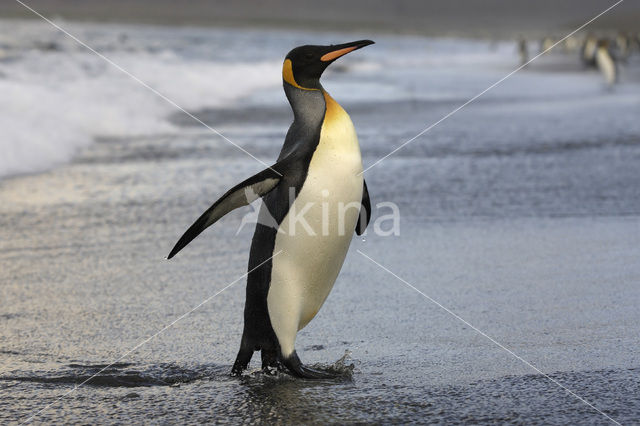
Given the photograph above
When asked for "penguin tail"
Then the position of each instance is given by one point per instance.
(298, 369)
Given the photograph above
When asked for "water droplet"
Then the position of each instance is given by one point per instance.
(364, 239)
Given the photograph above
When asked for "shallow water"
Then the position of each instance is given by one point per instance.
(519, 214)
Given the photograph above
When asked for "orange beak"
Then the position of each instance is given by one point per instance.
(342, 49)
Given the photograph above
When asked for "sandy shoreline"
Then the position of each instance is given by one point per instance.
(520, 214)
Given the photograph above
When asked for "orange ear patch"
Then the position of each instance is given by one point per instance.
(287, 73)
(337, 53)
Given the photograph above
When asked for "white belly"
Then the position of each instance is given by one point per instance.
(606, 65)
(312, 256)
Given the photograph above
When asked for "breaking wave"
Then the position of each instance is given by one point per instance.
(58, 97)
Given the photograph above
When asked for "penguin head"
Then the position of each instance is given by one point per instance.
(304, 65)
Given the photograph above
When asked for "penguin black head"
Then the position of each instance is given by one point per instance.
(304, 65)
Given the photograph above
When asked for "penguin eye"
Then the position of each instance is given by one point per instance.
(308, 55)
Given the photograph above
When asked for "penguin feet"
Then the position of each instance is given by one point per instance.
(242, 360)
(270, 362)
(237, 370)
(298, 369)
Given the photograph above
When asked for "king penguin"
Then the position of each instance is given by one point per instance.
(588, 51)
(606, 62)
(523, 51)
(292, 268)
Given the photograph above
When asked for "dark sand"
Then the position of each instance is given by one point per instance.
(520, 214)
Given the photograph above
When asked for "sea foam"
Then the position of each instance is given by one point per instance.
(58, 96)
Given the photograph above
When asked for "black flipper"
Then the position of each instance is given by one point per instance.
(240, 195)
(298, 369)
(365, 210)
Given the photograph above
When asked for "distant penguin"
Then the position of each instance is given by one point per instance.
(292, 268)
(606, 63)
(588, 51)
(571, 44)
(523, 51)
(546, 44)
(622, 46)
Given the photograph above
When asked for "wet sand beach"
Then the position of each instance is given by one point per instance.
(520, 214)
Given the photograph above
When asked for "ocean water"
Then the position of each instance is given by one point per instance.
(520, 214)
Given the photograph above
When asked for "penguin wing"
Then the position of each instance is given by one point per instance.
(365, 210)
(240, 195)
